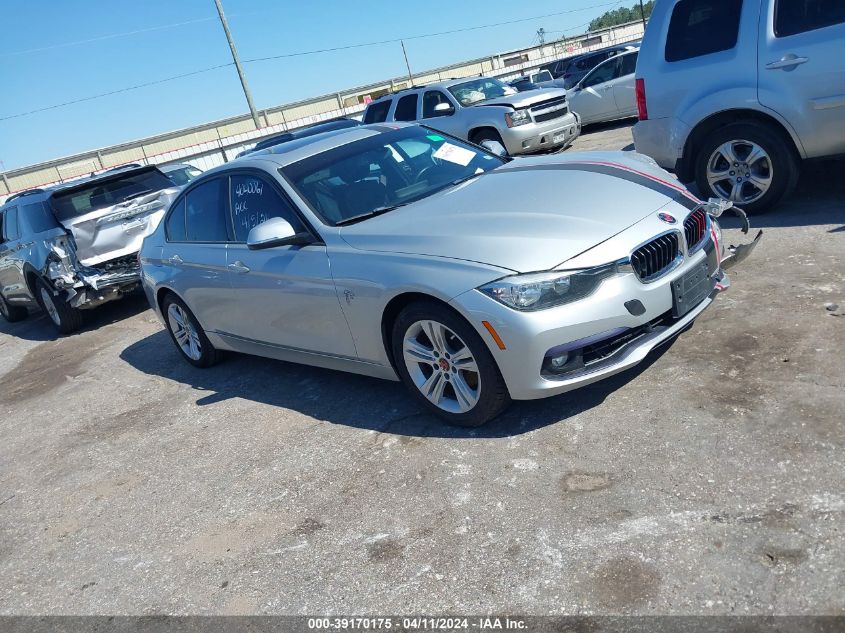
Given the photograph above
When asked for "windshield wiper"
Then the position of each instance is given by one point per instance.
(369, 214)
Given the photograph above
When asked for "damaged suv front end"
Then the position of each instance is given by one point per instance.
(75, 245)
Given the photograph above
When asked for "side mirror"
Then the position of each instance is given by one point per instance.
(444, 109)
(275, 232)
(494, 147)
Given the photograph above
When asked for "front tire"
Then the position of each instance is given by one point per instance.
(187, 334)
(64, 317)
(750, 164)
(447, 367)
(11, 313)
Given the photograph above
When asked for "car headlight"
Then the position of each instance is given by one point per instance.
(537, 291)
(517, 118)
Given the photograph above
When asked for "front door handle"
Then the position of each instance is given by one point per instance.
(238, 267)
(787, 62)
(175, 260)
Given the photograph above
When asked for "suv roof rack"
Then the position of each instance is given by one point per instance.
(21, 194)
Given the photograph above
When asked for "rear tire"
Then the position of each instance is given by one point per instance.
(446, 365)
(187, 334)
(716, 176)
(65, 318)
(11, 313)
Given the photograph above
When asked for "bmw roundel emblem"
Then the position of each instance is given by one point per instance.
(668, 219)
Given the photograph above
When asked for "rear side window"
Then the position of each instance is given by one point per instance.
(10, 225)
(377, 112)
(702, 27)
(206, 212)
(629, 64)
(406, 108)
(175, 226)
(253, 201)
(799, 16)
(38, 217)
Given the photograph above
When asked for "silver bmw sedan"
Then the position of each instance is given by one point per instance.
(398, 252)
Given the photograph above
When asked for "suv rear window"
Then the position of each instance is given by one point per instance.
(377, 112)
(702, 27)
(82, 199)
(799, 16)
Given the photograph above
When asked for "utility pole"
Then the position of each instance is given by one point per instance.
(405, 53)
(642, 14)
(237, 61)
(541, 35)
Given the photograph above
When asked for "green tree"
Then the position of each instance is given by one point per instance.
(622, 15)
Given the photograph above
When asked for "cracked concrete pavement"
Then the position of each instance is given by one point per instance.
(710, 480)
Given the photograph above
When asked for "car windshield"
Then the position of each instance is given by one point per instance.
(479, 90)
(82, 199)
(183, 175)
(381, 172)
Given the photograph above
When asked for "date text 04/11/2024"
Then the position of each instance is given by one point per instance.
(416, 623)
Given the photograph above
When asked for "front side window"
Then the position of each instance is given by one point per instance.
(253, 200)
(206, 212)
(480, 90)
(605, 72)
(376, 174)
(431, 99)
(702, 27)
(406, 108)
(799, 16)
(377, 112)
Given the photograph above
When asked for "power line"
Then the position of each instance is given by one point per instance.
(114, 92)
(106, 37)
(425, 35)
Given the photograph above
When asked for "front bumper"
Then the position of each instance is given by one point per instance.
(528, 336)
(539, 137)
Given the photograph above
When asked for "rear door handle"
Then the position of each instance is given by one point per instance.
(238, 267)
(175, 260)
(787, 61)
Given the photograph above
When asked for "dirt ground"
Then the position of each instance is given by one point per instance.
(710, 480)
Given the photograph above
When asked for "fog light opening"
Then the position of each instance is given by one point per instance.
(558, 362)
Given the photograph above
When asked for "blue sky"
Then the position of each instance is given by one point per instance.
(53, 51)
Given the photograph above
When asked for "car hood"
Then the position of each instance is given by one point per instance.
(528, 215)
(524, 99)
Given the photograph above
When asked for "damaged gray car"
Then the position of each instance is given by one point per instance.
(74, 246)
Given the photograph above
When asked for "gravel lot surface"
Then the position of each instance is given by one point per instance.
(710, 480)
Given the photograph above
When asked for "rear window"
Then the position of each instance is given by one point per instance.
(377, 112)
(702, 27)
(83, 199)
(799, 16)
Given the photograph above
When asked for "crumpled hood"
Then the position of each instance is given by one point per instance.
(528, 215)
(118, 230)
(525, 99)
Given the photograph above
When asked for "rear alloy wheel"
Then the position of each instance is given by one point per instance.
(447, 366)
(65, 318)
(11, 313)
(748, 164)
(188, 334)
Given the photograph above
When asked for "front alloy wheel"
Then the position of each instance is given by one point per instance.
(446, 365)
(442, 366)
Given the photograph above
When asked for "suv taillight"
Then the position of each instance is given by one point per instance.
(642, 108)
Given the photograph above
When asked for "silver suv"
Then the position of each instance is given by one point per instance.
(484, 109)
(75, 246)
(734, 94)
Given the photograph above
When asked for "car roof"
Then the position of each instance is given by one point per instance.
(302, 148)
(174, 166)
